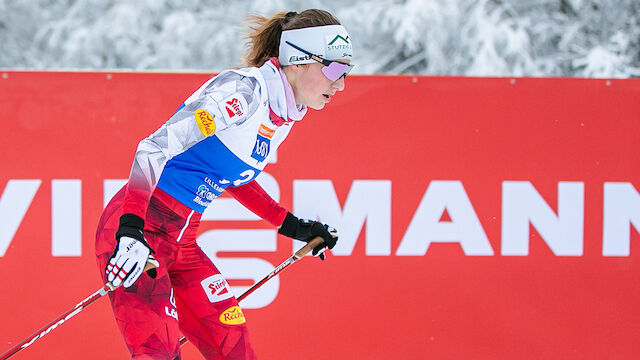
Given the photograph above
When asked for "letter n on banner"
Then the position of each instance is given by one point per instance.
(368, 201)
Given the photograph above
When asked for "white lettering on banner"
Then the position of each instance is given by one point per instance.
(426, 228)
(66, 217)
(368, 201)
(14, 203)
(621, 209)
(214, 241)
(110, 189)
(522, 204)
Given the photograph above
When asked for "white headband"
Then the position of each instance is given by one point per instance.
(330, 42)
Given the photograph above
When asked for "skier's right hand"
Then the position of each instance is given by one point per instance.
(131, 254)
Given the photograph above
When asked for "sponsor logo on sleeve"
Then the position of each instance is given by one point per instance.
(205, 122)
(216, 288)
(234, 108)
(232, 316)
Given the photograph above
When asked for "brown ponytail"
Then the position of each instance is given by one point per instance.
(264, 34)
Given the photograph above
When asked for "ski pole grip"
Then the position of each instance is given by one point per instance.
(152, 263)
(308, 247)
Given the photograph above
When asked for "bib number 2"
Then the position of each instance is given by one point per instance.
(246, 176)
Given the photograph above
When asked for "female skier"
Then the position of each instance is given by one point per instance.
(219, 139)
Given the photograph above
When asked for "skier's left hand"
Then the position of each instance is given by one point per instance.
(307, 230)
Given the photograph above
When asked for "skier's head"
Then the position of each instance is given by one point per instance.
(312, 47)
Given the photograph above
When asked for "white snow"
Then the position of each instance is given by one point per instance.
(583, 38)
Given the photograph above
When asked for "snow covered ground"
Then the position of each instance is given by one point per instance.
(582, 38)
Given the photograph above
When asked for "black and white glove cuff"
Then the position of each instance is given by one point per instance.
(132, 226)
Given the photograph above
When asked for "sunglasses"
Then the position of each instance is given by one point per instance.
(332, 70)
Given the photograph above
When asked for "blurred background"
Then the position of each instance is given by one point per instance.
(560, 38)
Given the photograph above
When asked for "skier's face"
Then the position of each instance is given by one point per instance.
(311, 86)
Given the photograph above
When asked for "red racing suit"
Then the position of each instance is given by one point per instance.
(219, 139)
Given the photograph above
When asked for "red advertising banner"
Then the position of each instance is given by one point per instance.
(480, 218)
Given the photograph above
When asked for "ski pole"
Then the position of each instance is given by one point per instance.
(297, 256)
(151, 263)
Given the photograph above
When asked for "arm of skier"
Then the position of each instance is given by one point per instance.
(253, 197)
(132, 251)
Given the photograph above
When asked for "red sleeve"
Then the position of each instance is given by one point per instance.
(254, 198)
(136, 200)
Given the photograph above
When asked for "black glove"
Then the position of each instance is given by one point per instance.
(131, 226)
(307, 230)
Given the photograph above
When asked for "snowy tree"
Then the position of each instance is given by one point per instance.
(499, 38)
(587, 38)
